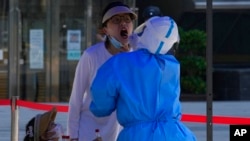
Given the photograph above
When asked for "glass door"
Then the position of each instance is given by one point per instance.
(36, 50)
(4, 8)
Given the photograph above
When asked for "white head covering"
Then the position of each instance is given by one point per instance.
(158, 35)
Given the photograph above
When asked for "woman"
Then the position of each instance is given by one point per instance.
(42, 127)
(117, 25)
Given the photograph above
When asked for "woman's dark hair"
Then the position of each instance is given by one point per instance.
(29, 133)
(113, 4)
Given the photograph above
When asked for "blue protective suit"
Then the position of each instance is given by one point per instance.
(144, 88)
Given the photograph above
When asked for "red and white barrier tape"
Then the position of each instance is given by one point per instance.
(185, 117)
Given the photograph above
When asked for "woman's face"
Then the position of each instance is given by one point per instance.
(120, 27)
(50, 134)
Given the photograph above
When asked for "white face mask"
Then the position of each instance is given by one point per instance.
(115, 42)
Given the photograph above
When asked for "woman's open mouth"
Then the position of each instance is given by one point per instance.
(124, 34)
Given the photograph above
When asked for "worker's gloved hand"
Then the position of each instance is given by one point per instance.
(133, 41)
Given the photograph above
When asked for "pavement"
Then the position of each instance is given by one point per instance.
(220, 108)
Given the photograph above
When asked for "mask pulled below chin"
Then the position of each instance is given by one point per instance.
(115, 42)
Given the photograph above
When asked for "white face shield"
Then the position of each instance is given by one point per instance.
(158, 35)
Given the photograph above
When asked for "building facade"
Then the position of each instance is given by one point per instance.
(41, 40)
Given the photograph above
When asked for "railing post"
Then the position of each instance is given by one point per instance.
(209, 71)
(14, 118)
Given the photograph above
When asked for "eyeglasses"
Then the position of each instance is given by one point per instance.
(118, 19)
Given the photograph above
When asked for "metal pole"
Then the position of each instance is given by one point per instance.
(209, 75)
(13, 64)
(14, 118)
(55, 52)
(89, 23)
(14, 48)
(136, 10)
(48, 51)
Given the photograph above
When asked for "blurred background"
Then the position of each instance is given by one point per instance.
(41, 42)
